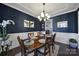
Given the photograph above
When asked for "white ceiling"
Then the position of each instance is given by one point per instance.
(53, 9)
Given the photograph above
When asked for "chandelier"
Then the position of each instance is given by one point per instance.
(43, 15)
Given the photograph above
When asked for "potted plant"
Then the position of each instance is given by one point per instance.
(3, 28)
(73, 42)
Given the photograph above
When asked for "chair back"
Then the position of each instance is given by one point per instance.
(30, 35)
(47, 46)
(54, 37)
(22, 46)
(47, 32)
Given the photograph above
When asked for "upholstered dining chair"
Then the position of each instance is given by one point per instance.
(45, 49)
(24, 49)
(53, 42)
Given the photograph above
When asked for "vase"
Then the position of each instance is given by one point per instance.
(73, 44)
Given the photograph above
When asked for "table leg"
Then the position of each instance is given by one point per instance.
(35, 52)
(6, 49)
(2, 47)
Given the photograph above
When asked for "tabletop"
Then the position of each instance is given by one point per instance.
(36, 43)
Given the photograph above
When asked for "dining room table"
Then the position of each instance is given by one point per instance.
(35, 43)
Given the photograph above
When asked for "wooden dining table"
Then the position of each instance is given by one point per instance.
(36, 45)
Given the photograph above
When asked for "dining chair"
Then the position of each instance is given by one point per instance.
(53, 42)
(45, 49)
(47, 32)
(25, 51)
(30, 35)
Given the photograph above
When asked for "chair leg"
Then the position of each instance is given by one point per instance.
(22, 54)
(49, 51)
(52, 48)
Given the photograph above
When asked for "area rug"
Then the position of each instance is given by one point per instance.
(55, 50)
(52, 54)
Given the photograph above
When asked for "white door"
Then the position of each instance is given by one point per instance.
(48, 25)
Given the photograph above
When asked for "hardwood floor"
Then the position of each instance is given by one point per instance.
(11, 52)
(63, 51)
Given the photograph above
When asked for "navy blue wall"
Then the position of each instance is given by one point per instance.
(18, 17)
(72, 22)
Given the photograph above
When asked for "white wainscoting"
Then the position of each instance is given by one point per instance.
(13, 38)
(60, 37)
(64, 37)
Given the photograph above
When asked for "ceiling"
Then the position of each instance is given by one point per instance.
(53, 9)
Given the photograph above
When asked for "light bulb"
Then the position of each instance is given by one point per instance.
(44, 19)
(46, 14)
(39, 18)
(48, 17)
(42, 14)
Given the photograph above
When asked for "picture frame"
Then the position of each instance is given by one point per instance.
(62, 24)
(31, 24)
(28, 24)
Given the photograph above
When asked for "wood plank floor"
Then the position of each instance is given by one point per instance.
(63, 51)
